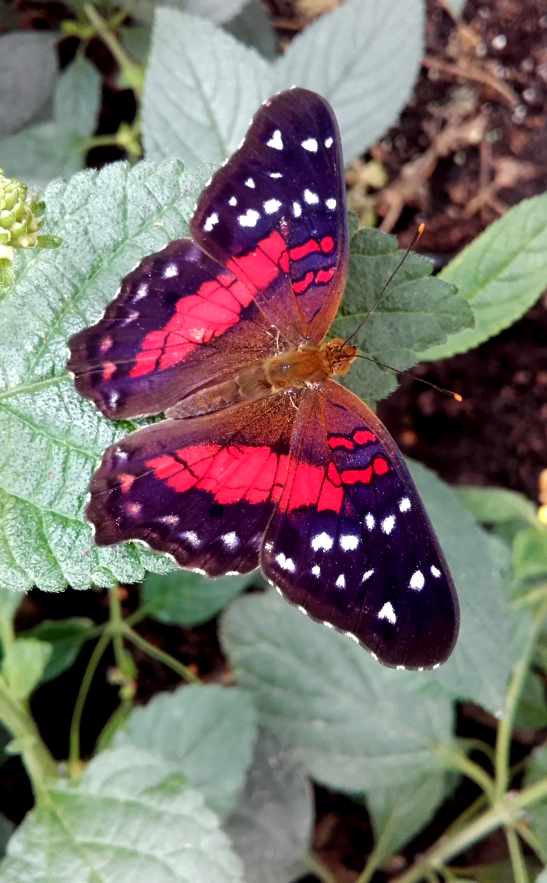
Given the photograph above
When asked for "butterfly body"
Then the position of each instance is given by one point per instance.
(264, 459)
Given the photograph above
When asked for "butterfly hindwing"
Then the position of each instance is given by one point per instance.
(180, 322)
(202, 490)
(351, 543)
(275, 214)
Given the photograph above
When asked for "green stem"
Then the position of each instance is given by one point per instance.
(503, 740)
(89, 674)
(517, 858)
(39, 763)
(132, 72)
(316, 866)
(116, 625)
(533, 842)
(473, 771)
(504, 813)
(160, 655)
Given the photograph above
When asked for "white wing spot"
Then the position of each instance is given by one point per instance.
(113, 398)
(329, 142)
(305, 612)
(171, 520)
(373, 655)
(210, 222)
(191, 536)
(417, 581)
(353, 637)
(250, 183)
(134, 314)
(367, 575)
(370, 521)
(400, 668)
(316, 570)
(330, 203)
(310, 144)
(285, 563)
(278, 590)
(133, 509)
(249, 219)
(232, 201)
(275, 174)
(435, 571)
(142, 291)
(271, 206)
(310, 197)
(349, 542)
(388, 524)
(230, 540)
(297, 209)
(341, 581)
(404, 505)
(276, 141)
(329, 625)
(322, 541)
(170, 271)
(436, 666)
(387, 612)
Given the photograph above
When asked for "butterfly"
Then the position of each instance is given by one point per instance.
(263, 459)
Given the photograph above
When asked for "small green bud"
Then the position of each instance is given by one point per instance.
(20, 218)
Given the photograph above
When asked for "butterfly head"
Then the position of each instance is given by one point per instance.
(338, 356)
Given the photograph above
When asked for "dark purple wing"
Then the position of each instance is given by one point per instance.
(351, 543)
(179, 322)
(275, 214)
(202, 490)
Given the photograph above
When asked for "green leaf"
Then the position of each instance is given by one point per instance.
(7, 275)
(217, 11)
(253, 26)
(476, 670)
(9, 603)
(537, 770)
(222, 81)
(272, 825)
(6, 830)
(66, 637)
(455, 7)
(532, 707)
(352, 726)
(207, 732)
(131, 817)
(24, 664)
(364, 57)
(398, 813)
(418, 308)
(41, 153)
(28, 68)
(530, 553)
(136, 41)
(491, 505)
(542, 877)
(51, 439)
(501, 274)
(78, 98)
(184, 598)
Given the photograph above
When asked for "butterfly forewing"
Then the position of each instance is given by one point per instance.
(275, 214)
(350, 542)
(180, 322)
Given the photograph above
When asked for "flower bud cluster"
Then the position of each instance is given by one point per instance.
(20, 219)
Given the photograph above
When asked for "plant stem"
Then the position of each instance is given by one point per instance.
(533, 842)
(39, 763)
(74, 762)
(132, 72)
(160, 655)
(517, 858)
(116, 624)
(504, 813)
(316, 866)
(503, 740)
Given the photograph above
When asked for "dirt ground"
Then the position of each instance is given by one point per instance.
(471, 143)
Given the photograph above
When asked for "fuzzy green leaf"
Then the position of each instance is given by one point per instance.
(7, 275)
(223, 83)
(24, 664)
(492, 505)
(537, 770)
(77, 98)
(354, 728)
(51, 439)
(530, 553)
(417, 310)
(41, 153)
(272, 825)
(131, 817)
(184, 598)
(65, 637)
(532, 707)
(28, 68)
(501, 274)
(364, 58)
(207, 732)
(253, 26)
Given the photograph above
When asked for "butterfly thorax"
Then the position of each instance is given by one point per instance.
(292, 369)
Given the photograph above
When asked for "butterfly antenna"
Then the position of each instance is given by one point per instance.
(446, 392)
(415, 238)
